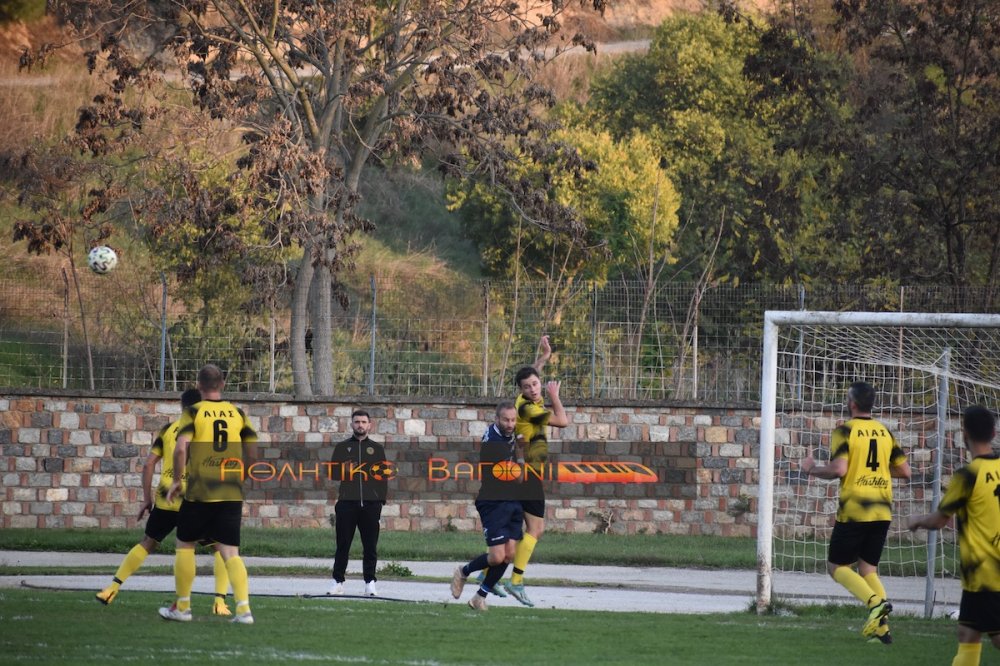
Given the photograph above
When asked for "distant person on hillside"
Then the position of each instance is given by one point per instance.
(163, 514)
(972, 498)
(210, 433)
(864, 457)
(498, 505)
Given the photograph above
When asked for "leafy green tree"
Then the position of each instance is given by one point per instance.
(21, 10)
(626, 205)
(928, 98)
(319, 90)
(741, 147)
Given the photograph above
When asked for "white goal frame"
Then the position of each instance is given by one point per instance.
(773, 321)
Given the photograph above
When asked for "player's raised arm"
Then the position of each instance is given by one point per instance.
(559, 419)
(543, 355)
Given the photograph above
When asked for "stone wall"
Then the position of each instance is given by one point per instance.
(75, 460)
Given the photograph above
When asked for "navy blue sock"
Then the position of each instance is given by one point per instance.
(477, 564)
(493, 577)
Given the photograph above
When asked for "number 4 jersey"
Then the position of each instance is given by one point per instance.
(215, 463)
(866, 489)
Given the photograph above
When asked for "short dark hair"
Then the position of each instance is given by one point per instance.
(862, 394)
(190, 397)
(524, 373)
(360, 412)
(210, 377)
(979, 423)
(505, 405)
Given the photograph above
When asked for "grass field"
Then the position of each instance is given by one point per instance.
(42, 627)
(662, 550)
(633, 550)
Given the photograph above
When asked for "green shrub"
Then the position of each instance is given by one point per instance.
(21, 10)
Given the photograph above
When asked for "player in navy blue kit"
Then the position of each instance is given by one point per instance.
(498, 505)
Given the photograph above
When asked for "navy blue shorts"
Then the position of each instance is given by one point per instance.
(502, 520)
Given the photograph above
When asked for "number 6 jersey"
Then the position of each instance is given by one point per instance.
(215, 463)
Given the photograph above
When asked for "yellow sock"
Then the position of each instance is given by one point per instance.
(184, 570)
(241, 583)
(132, 561)
(855, 584)
(221, 576)
(968, 654)
(876, 584)
(525, 547)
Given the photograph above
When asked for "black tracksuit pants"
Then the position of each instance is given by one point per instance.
(351, 515)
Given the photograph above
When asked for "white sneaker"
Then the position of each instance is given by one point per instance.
(171, 613)
(478, 603)
(242, 618)
(370, 590)
(336, 590)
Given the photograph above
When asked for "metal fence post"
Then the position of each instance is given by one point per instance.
(371, 358)
(65, 342)
(163, 333)
(270, 378)
(800, 355)
(486, 338)
(593, 339)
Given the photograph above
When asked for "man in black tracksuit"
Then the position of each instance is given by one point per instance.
(361, 466)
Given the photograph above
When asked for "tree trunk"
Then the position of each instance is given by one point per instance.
(322, 331)
(300, 318)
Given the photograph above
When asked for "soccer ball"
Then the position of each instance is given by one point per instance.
(102, 259)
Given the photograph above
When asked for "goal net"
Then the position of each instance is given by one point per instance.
(926, 369)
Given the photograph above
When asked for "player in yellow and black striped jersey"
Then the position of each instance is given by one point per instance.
(871, 451)
(864, 457)
(973, 497)
(533, 421)
(215, 443)
(162, 514)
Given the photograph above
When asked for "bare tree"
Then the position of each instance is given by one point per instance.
(320, 90)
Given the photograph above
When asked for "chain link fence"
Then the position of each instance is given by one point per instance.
(621, 340)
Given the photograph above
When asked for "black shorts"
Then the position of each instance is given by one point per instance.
(532, 496)
(851, 542)
(980, 611)
(160, 523)
(217, 522)
(502, 520)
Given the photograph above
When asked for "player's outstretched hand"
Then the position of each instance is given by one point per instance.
(146, 508)
(175, 490)
(545, 347)
(807, 464)
(553, 388)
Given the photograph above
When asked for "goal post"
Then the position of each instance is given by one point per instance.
(926, 368)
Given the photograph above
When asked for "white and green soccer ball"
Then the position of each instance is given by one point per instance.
(102, 259)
